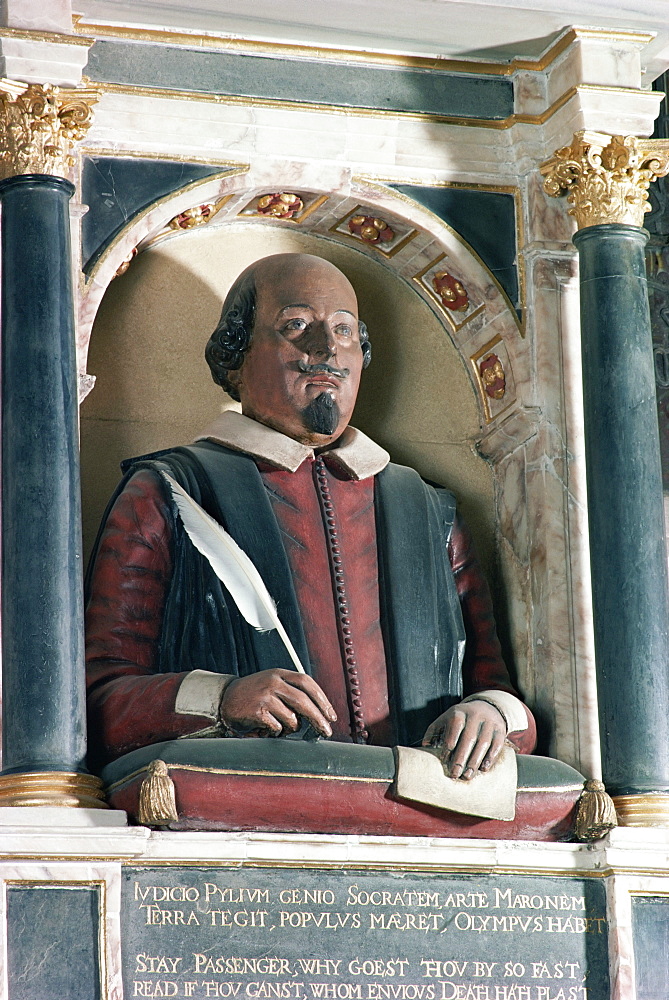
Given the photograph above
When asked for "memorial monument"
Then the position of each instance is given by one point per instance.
(337, 528)
(202, 858)
(384, 634)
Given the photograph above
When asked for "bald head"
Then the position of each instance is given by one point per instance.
(280, 268)
(231, 339)
(287, 322)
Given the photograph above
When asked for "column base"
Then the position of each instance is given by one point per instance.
(52, 788)
(646, 809)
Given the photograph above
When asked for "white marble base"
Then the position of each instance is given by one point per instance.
(626, 849)
(631, 862)
(53, 817)
(51, 837)
(38, 15)
(34, 60)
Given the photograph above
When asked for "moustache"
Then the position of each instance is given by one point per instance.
(323, 367)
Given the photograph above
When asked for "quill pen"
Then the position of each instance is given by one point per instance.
(232, 566)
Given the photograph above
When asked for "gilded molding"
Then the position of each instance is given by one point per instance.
(52, 788)
(497, 124)
(606, 177)
(278, 50)
(39, 125)
(651, 809)
(52, 37)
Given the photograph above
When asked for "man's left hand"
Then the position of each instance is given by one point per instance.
(470, 736)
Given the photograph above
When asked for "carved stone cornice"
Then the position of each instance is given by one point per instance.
(39, 125)
(606, 178)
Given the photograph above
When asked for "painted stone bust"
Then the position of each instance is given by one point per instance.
(372, 569)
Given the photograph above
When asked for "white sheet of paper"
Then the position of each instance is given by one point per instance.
(419, 777)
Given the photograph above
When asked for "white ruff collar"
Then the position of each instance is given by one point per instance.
(357, 454)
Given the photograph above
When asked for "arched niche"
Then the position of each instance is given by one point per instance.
(423, 397)
(153, 388)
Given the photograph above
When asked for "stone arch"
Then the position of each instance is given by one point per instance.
(481, 322)
(413, 249)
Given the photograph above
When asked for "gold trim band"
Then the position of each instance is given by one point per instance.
(53, 37)
(241, 773)
(52, 788)
(650, 809)
(236, 100)
(282, 49)
(438, 868)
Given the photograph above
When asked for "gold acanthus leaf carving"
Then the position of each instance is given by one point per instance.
(606, 178)
(39, 125)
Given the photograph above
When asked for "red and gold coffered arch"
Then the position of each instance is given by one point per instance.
(377, 221)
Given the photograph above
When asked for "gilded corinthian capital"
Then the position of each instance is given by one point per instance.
(606, 177)
(39, 125)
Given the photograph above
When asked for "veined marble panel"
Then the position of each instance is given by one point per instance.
(38, 61)
(604, 60)
(37, 16)
(543, 520)
(547, 218)
(583, 647)
(210, 129)
(103, 876)
(616, 111)
(29, 851)
(530, 90)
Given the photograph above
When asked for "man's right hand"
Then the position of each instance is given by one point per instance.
(274, 701)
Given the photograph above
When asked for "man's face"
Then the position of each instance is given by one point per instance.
(306, 317)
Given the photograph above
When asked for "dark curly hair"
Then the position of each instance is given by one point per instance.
(231, 339)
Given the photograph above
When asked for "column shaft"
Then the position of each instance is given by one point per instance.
(42, 599)
(628, 556)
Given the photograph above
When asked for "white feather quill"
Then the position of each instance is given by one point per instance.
(232, 566)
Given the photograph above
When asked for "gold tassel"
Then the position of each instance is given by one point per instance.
(157, 803)
(596, 812)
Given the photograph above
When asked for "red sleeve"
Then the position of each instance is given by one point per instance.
(483, 667)
(130, 704)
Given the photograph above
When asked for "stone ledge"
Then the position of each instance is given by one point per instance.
(53, 817)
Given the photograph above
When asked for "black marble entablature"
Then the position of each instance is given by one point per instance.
(402, 89)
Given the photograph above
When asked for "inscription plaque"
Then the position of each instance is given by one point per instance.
(310, 934)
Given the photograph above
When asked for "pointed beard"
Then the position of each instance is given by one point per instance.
(321, 416)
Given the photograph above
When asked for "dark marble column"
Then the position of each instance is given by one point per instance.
(628, 555)
(44, 735)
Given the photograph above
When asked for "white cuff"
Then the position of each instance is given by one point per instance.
(511, 708)
(200, 693)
